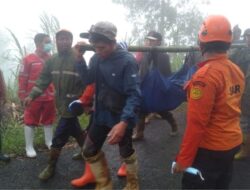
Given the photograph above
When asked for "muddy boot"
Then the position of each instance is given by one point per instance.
(87, 177)
(132, 173)
(174, 127)
(122, 171)
(49, 171)
(139, 130)
(99, 168)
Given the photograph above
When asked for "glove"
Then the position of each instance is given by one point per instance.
(76, 107)
(189, 170)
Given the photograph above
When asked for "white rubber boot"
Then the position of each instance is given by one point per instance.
(29, 138)
(48, 135)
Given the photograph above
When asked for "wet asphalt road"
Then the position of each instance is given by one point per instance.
(155, 155)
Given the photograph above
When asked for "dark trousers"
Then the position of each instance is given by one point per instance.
(216, 168)
(67, 127)
(97, 135)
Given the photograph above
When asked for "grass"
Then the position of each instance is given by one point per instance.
(12, 131)
(13, 142)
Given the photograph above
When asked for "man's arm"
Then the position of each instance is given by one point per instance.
(43, 81)
(132, 92)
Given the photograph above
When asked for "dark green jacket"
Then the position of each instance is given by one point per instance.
(67, 75)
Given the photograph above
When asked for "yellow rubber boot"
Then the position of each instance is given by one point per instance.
(87, 178)
(132, 173)
(99, 168)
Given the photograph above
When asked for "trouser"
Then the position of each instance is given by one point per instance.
(216, 168)
(96, 136)
(68, 127)
(166, 115)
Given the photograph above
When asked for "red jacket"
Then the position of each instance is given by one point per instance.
(30, 69)
(213, 116)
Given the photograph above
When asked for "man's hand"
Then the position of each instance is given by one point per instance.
(27, 101)
(117, 132)
(77, 50)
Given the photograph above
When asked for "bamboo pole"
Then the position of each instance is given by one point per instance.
(159, 48)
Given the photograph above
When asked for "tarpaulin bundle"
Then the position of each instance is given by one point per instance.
(161, 93)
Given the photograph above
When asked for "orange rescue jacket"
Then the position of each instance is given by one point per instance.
(213, 113)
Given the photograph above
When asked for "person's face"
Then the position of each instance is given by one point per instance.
(45, 41)
(46, 45)
(149, 42)
(63, 43)
(104, 49)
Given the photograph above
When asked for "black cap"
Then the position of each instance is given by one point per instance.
(153, 35)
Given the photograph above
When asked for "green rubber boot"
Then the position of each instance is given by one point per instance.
(49, 171)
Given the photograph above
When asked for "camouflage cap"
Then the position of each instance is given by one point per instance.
(103, 28)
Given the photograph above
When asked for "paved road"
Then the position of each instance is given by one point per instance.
(155, 153)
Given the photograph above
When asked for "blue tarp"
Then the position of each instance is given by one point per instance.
(165, 93)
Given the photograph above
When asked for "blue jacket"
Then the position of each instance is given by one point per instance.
(115, 76)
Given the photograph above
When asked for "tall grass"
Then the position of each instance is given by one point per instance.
(12, 130)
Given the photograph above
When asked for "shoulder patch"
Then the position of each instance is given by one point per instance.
(196, 93)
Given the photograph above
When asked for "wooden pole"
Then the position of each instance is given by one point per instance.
(158, 48)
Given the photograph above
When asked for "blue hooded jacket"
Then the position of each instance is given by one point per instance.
(116, 77)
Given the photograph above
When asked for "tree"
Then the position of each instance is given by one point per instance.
(178, 21)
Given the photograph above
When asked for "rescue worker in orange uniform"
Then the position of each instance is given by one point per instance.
(42, 111)
(213, 135)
